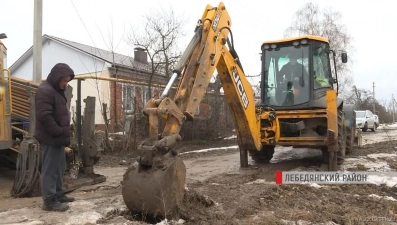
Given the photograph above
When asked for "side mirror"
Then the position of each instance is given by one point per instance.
(344, 57)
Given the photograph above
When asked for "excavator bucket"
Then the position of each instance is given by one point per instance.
(157, 191)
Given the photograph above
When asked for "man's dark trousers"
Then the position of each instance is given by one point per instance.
(52, 169)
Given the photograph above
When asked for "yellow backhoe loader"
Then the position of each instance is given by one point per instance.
(300, 109)
(5, 102)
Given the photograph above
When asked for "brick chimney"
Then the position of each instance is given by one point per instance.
(140, 55)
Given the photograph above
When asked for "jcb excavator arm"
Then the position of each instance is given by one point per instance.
(206, 52)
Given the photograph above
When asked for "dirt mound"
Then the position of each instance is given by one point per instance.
(242, 199)
(249, 196)
(380, 147)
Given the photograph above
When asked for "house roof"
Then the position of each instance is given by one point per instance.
(107, 56)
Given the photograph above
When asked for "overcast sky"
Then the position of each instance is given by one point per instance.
(92, 22)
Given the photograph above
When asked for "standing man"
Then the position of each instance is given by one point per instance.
(53, 133)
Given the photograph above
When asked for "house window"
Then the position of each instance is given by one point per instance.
(128, 97)
(145, 93)
(140, 92)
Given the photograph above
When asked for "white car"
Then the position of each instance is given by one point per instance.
(365, 120)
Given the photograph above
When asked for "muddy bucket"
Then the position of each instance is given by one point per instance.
(157, 191)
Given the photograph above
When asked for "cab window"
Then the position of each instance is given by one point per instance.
(321, 66)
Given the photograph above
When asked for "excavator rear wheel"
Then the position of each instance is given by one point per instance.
(349, 139)
(264, 155)
(350, 126)
(336, 158)
(341, 138)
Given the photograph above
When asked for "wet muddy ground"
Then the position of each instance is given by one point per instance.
(234, 195)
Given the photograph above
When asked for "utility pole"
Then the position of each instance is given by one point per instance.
(37, 58)
(37, 40)
(373, 93)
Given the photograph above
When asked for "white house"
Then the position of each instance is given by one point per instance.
(97, 63)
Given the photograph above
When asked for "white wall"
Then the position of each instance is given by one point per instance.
(99, 89)
(54, 53)
(82, 64)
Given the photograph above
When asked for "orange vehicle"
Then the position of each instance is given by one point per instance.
(295, 110)
(5, 100)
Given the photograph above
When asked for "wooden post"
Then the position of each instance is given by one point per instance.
(105, 118)
(89, 146)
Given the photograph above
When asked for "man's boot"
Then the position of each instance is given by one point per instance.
(54, 205)
(65, 198)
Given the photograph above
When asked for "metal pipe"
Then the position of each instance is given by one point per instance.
(78, 117)
(24, 82)
(19, 130)
(184, 59)
(84, 77)
(9, 90)
(32, 115)
(169, 85)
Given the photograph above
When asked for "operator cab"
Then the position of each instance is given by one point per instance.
(296, 72)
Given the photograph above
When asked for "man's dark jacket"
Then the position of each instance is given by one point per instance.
(292, 71)
(52, 113)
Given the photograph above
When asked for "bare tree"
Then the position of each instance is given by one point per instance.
(362, 98)
(311, 20)
(159, 38)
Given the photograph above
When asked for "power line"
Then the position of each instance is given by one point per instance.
(81, 19)
(253, 75)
